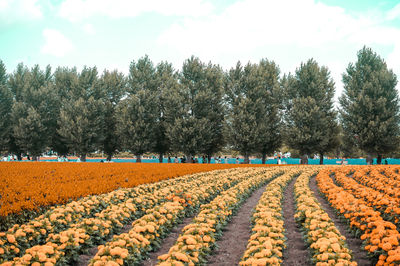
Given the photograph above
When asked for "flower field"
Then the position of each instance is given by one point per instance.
(132, 221)
(30, 185)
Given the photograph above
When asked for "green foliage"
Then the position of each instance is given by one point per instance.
(138, 114)
(370, 104)
(199, 110)
(136, 121)
(141, 75)
(81, 125)
(166, 80)
(6, 101)
(157, 82)
(253, 94)
(197, 123)
(113, 87)
(65, 82)
(33, 111)
(29, 132)
(310, 117)
(81, 120)
(242, 125)
(3, 74)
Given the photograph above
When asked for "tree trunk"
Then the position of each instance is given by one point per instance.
(321, 158)
(379, 159)
(169, 159)
(109, 156)
(34, 158)
(263, 159)
(246, 159)
(160, 157)
(189, 159)
(138, 158)
(208, 158)
(83, 158)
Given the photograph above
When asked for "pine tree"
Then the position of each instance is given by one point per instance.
(65, 82)
(254, 122)
(81, 121)
(36, 104)
(113, 88)
(268, 104)
(16, 83)
(370, 105)
(166, 81)
(142, 76)
(135, 122)
(209, 105)
(198, 121)
(81, 124)
(31, 133)
(6, 102)
(310, 116)
(242, 124)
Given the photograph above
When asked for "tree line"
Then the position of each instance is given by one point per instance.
(199, 109)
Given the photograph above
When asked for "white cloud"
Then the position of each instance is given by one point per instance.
(56, 43)
(89, 29)
(77, 10)
(285, 31)
(19, 10)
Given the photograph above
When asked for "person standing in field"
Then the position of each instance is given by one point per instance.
(369, 159)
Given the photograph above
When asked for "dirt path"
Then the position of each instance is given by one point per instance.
(296, 252)
(166, 243)
(354, 243)
(236, 234)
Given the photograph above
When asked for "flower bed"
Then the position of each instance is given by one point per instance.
(111, 219)
(198, 238)
(387, 206)
(328, 246)
(148, 231)
(267, 240)
(32, 185)
(380, 237)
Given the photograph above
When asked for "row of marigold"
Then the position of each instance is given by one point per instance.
(381, 238)
(57, 219)
(92, 230)
(28, 186)
(387, 205)
(267, 240)
(374, 177)
(327, 244)
(128, 248)
(197, 239)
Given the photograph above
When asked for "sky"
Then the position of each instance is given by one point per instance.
(110, 34)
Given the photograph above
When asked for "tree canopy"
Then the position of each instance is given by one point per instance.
(370, 105)
(310, 118)
(199, 110)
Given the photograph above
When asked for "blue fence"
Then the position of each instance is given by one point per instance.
(253, 161)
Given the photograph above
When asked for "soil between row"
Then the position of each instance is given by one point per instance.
(238, 231)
